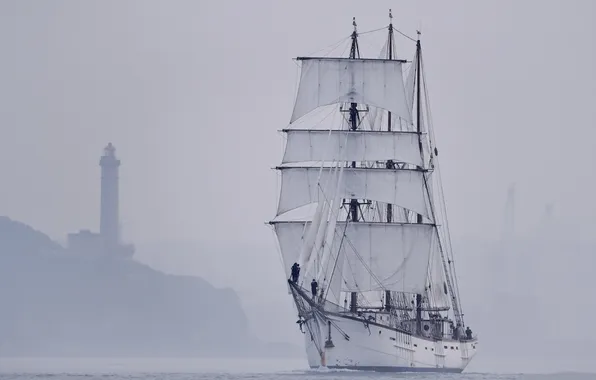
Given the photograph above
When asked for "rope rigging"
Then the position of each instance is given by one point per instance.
(451, 274)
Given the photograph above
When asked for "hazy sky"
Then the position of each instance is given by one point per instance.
(192, 93)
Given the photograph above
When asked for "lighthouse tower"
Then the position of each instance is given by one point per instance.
(107, 243)
(109, 220)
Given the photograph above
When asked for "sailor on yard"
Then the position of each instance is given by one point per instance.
(313, 288)
(295, 272)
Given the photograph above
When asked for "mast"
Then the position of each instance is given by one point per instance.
(419, 131)
(450, 285)
(390, 164)
(354, 118)
(418, 108)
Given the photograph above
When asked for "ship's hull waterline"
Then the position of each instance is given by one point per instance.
(372, 347)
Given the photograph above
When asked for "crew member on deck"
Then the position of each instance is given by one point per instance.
(313, 288)
(457, 332)
(468, 333)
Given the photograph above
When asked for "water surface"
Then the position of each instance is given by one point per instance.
(221, 369)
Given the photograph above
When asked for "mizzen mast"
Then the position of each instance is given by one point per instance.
(452, 290)
(419, 131)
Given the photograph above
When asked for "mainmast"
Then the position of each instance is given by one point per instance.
(390, 164)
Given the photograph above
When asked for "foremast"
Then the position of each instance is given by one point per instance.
(354, 121)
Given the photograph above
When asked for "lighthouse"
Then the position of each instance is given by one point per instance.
(108, 242)
(109, 220)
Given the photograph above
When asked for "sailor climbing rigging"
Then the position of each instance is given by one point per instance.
(314, 285)
(295, 272)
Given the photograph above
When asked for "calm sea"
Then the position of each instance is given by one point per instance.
(221, 369)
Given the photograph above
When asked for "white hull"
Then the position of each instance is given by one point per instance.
(379, 348)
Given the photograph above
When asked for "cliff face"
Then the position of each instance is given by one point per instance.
(55, 303)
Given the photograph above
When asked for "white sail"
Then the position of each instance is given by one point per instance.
(330, 232)
(292, 242)
(374, 82)
(345, 145)
(410, 81)
(378, 117)
(335, 271)
(310, 237)
(404, 188)
(310, 252)
(437, 283)
(315, 256)
(383, 256)
(378, 255)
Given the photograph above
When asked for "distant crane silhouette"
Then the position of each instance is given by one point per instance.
(503, 260)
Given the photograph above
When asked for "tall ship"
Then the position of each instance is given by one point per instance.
(361, 219)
